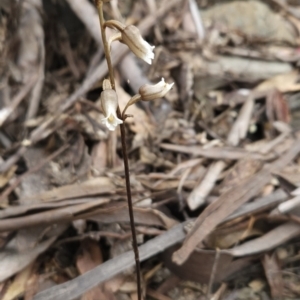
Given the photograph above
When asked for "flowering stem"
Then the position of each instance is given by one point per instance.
(133, 100)
(99, 5)
(130, 209)
(114, 24)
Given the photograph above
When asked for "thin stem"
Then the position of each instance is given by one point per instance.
(99, 5)
(130, 208)
(133, 100)
(116, 37)
(115, 25)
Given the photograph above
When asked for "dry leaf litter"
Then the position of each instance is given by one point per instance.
(214, 165)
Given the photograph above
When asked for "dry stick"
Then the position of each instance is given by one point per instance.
(76, 287)
(199, 194)
(213, 273)
(35, 95)
(4, 166)
(88, 16)
(237, 132)
(230, 201)
(193, 7)
(16, 100)
(99, 5)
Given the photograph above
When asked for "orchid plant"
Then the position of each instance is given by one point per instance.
(129, 35)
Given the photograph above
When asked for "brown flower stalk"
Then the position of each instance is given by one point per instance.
(130, 36)
(99, 5)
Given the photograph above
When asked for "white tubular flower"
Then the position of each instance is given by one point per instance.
(152, 92)
(109, 103)
(132, 38)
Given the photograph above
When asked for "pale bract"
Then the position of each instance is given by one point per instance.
(151, 92)
(109, 103)
(131, 36)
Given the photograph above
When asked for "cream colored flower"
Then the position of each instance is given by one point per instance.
(109, 103)
(152, 92)
(132, 38)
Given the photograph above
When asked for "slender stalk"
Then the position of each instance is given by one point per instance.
(133, 100)
(130, 209)
(106, 46)
(99, 5)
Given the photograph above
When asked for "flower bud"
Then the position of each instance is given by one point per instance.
(151, 92)
(109, 103)
(132, 38)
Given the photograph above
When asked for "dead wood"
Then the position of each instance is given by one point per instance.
(228, 203)
(83, 283)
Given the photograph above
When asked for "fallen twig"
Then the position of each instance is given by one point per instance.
(78, 286)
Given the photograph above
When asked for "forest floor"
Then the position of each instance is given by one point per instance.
(214, 165)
